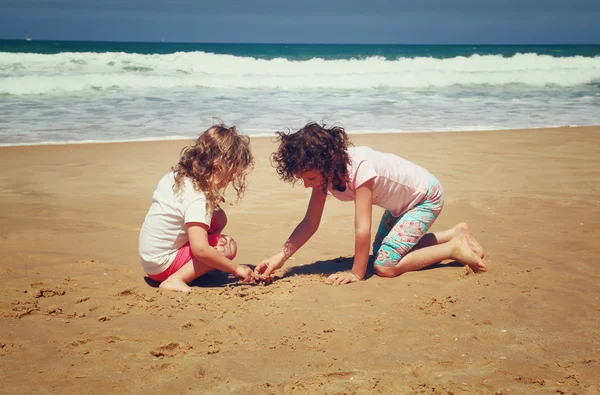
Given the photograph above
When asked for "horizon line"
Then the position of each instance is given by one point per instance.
(31, 40)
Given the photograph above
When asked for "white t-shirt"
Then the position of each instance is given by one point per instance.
(399, 184)
(164, 230)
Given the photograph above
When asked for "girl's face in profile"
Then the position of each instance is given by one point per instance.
(311, 179)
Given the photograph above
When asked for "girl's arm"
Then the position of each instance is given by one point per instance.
(205, 253)
(363, 213)
(301, 234)
(308, 226)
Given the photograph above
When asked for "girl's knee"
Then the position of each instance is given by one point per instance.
(385, 271)
(386, 257)
(386, 261)
(232, 249)
(228, 246)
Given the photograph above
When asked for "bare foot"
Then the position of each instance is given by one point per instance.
(463, 228)
(464, 254)
(175, 284)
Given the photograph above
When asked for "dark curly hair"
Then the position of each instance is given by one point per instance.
(220, 156)
(314, 147)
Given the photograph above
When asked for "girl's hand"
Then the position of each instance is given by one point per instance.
(341, 278)
(244, 273)
(268, 266)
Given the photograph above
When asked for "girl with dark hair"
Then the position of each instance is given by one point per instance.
(325, 161)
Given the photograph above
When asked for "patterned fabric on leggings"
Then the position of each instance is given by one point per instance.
(396, 236)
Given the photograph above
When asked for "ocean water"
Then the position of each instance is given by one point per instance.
(63, 92)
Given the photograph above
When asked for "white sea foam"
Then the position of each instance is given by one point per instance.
(34, 74)
(103, 97)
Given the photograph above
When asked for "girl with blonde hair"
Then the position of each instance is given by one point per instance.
(181, 238)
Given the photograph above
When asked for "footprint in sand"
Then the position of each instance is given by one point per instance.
(171, 350)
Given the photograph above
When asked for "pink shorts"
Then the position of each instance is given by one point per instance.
(184, 255)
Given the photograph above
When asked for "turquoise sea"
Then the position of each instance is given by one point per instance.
(75, 91)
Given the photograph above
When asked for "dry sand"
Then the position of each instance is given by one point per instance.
(78, 316)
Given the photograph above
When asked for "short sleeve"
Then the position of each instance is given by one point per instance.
(196, 212)
(364, 173)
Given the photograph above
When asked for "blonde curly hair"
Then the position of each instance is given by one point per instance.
(219, 157)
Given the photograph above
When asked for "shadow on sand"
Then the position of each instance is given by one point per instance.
(341, 264)
(219, 279)
(214, 279)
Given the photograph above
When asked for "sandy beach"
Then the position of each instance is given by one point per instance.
(78, 315)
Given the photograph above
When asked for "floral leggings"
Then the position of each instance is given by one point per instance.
(396, 236)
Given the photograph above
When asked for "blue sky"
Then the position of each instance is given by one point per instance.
(306, 21)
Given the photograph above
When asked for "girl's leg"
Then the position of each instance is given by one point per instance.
(193, 269)
(401, 244)
(435, 238)
(457, 249)
(188, 272)
(218, 222)
(429, 239)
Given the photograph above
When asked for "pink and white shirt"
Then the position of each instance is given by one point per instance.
(399, 184)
